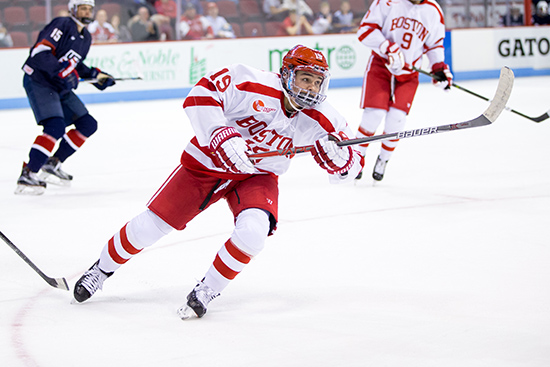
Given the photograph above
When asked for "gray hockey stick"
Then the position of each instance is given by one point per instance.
(498, 103)
(60, 283)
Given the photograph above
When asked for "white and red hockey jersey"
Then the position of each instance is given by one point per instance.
(417, 29)
(251, 101)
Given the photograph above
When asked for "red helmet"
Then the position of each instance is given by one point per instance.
(305, 59)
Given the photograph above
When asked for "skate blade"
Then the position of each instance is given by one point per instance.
(53, 179)
(186, 313)
(29, 190)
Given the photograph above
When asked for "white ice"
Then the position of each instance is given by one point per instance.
(446, 262)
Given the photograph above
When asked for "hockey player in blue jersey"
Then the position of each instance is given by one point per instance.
(52, 72)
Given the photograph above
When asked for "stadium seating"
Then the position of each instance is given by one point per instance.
(228, 10)
(315, 5)
(57, 8)
(37, 17)
(111, 9)
(15, 19)
(358, 7)
(4, 3)
(237, 29)
(273, 29)
(20, 39)
(250, 11)
(253, 29)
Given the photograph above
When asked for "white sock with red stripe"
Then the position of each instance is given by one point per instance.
(142, 231)
(395, 121)
(370, 120)
(247, 241)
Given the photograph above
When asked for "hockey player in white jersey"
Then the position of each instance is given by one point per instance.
(399, 32)
(235, 111)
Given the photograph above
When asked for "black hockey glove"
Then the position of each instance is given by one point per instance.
(104, 80)
(442, 77)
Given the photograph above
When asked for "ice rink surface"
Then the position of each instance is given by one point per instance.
(446, 262)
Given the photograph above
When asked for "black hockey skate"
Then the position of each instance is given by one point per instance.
(90, 282)
(197, 302)
(52, 173)
(379, 169)
(29, 183)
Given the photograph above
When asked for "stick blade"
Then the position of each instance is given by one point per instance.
(502, 94)
(542, 117)
(59, 283)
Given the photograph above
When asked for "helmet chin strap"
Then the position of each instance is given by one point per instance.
(291, 102)
(77, 21)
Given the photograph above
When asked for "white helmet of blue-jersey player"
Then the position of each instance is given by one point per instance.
(302, 58)
(73, 10)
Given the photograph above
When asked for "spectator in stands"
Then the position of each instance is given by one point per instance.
(101, 30)
(323, 19)
(343, 20)
(5, 38)
(194, 26)
(220, 25)
(514, 17)
(144, 29)
(541, 16)
(300, 6)
(274, 10)
(133, 7)
(168, 8)
(197, 3)
(296, 24)
(122, 32)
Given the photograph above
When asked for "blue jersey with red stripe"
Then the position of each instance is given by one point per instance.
(59, 48)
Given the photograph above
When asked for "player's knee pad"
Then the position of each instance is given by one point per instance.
(86, 125)
(371, 119)
(54, 127)
(251, 230)
(146, 229)
(395, 121)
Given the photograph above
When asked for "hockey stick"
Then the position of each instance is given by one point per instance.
(60, 283)
(490, 115)
(540, 118)
(116, 79)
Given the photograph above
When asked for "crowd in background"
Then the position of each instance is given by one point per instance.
(156, 20)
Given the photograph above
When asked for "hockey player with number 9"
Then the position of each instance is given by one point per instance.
(234, 111)
(399, 32)
(52, 71)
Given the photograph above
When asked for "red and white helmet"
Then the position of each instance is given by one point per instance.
(73, 7)
(302, 58)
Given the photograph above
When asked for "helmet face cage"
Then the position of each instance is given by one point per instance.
(301, 58)
(73, 8)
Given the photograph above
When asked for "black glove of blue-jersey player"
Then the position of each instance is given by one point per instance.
(104, 80)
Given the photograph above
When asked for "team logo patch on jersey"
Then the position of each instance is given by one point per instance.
(259, 105)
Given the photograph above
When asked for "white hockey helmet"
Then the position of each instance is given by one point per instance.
(542, 7)
(73, 7)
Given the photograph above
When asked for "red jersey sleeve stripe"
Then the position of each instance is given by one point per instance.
(192, 101)
(321, 119)
(366, 34)
(205, 83)
(260, 89)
